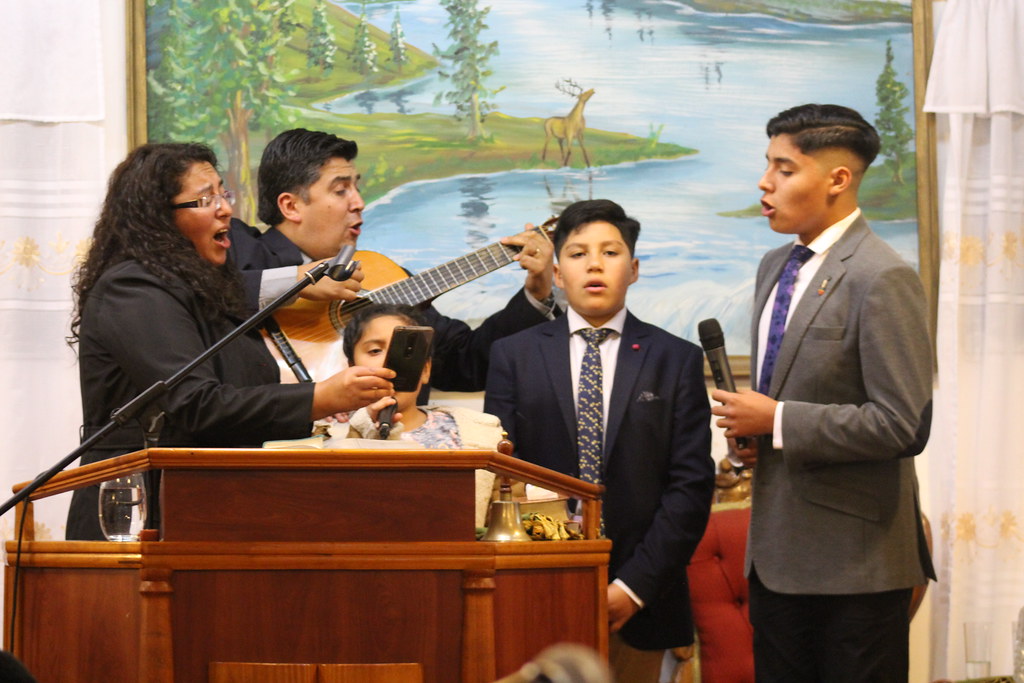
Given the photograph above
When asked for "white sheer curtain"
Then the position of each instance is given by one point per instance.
(976, 87)
(55, 156)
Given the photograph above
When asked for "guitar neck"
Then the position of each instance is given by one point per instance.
(431, 283)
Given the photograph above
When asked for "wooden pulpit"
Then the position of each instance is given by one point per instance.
(305, 557)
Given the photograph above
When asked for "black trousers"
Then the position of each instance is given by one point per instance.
(856, 638)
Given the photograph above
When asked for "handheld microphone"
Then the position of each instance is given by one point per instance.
(384, 419)
(341, 267)
(713, 341)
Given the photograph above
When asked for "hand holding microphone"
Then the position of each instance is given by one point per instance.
(385, 420)
(713, 341)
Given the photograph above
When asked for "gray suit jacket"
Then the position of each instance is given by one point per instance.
(836, 510)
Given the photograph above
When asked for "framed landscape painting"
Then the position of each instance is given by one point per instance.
(475, 117)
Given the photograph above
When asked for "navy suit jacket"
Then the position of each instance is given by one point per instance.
(657, 469)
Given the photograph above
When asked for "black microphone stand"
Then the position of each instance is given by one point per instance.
(340, 267)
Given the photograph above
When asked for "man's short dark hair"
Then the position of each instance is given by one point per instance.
(291, 163)
(592, 210)
(820, 126)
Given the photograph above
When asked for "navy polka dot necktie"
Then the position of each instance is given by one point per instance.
(590, 407)
(780, 309)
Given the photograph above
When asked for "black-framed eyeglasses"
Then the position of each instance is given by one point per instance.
(214, 200)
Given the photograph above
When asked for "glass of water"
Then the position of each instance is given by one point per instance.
(978, 648)
(123, 507)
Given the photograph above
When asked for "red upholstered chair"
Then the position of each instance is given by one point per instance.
(719, 596)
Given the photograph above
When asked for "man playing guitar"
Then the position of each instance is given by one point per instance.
(309, 195)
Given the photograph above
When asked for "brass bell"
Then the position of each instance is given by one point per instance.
(505, 521)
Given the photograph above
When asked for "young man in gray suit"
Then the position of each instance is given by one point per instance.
(842, 400)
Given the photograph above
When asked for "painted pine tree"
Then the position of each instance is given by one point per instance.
(364, 50)
(399, 55)
(465, 64)
(322, 45)
(223, 66)
(893, 129)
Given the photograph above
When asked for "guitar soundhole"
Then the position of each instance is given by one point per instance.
(334, 315)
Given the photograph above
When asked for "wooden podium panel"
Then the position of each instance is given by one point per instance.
(545, 621)
(317, 616)
(329, 558)
(251, 505)
(235, 672)
(57, 607)
(168, 610)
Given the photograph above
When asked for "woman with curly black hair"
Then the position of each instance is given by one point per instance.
(156, 290)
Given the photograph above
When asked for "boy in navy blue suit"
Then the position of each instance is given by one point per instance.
(600, 395)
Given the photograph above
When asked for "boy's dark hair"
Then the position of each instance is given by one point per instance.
(590, 210)
(354, 329)
(820, 126)
(291, 162)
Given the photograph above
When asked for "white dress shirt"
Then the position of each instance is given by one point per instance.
(609, 354)
(609, 349)
(804, 277)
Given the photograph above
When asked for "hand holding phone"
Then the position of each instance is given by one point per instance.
(407, 354)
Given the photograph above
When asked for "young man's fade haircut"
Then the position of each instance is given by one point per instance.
(814, 127)
(591, 211)
(291, 162)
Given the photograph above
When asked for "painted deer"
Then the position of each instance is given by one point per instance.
(567, 128)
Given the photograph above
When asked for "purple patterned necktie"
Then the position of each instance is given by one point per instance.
(780, 309)
(590, 406)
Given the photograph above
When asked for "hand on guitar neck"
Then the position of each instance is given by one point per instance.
(536, 257)
(314, 324)
(330, 290)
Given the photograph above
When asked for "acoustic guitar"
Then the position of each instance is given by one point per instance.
(314, 328)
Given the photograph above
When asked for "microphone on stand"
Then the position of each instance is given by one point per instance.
(563, 663)
(713, 341)
(341, 267)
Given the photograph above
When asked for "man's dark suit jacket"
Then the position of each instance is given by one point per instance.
(460, 353)
(657, 467)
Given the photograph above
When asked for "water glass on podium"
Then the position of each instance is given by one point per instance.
(978, 649)
(122, 507)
